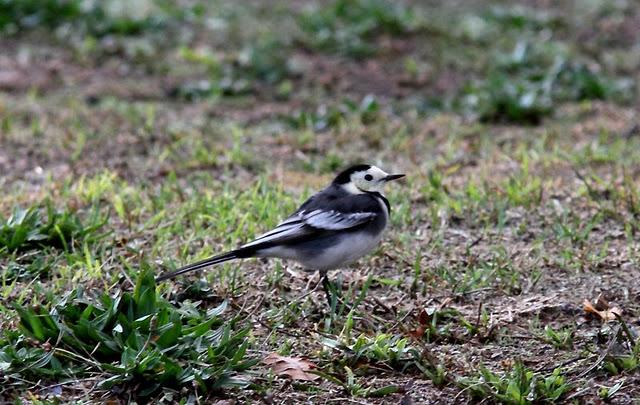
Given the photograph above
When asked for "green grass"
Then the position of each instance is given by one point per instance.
(137, 340)
(94, 19)
(29, 228)
(518, 386)
(526, 83)
(135, 151)
(350, 27)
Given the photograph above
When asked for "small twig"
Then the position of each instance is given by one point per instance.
(604, 354)
(461, 293)
(475, 242)
(346, 400)
(256, 307)
(467, 388)
(409, 312)
(563, 364)
(48, 387)
(382, 305)
(283, 330)
(578, 394)
(478, 316)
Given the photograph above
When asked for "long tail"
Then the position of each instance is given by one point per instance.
(234, 254)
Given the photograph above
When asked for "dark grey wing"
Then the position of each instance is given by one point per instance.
(335, 220)
(294, 225)
(304, 224)
(330, 210)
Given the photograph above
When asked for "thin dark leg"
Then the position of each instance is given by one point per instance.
(326, 286)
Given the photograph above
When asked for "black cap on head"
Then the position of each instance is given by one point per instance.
(345, 176)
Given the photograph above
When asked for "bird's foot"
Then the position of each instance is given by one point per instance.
(334, 298)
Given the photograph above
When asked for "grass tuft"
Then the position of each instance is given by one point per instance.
(350, 27)
(518, 386)
(28, 228)
(130, 339)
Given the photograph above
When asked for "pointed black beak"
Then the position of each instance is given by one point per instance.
(393, 177)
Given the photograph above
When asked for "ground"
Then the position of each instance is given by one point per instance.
(508, 272)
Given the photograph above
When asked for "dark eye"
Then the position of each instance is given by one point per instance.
(368, 177)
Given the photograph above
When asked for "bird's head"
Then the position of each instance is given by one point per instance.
(359, 179)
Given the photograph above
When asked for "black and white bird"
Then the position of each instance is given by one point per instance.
(333, 228)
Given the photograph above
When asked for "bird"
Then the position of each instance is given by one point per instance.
(331, 229)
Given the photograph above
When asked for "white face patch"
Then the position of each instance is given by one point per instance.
(367, 180)
(351, 188)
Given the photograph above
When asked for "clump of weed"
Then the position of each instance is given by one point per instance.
(559, 338)
(132, 339)
(519, 18)
(392, 350)
(18, 15)
(93, 18)
(395, 352)
(626, 360)
(28, 228)
(264, 61)
(518, 386)
(28, 269)
(330, 116)
(528, 83)
(349, 27)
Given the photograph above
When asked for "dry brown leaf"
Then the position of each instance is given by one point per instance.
(602, 309)
(293, 367)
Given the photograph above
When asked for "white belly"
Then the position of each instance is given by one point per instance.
(343, 253)
(348, 250)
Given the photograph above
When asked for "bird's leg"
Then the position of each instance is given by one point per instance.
(326, 286)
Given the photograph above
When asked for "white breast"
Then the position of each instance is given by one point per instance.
(347, 251)
(349, 247)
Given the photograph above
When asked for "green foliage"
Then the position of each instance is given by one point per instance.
(519, 386)
(571, 227)
(94, 18)
(526, 85)
(349, 26)
(28, 228)
(606, 393)
(264, 61)
(520, 18)
(559, 338)
(353, 387)
(330, 116)
(392, 350)
(625, 362)
(523, 188)
(498, 271)
(24, 14)
(27, 270)
(134, 339)
(384, 348)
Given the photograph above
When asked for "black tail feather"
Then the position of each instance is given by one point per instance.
(234, 254)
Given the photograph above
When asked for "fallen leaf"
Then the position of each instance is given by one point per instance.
(294, 367)
(418, 332)
(425, 317)
(602, 309)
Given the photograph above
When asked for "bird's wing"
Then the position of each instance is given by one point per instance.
(336, 220)
(292, 226)
(304, 223)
